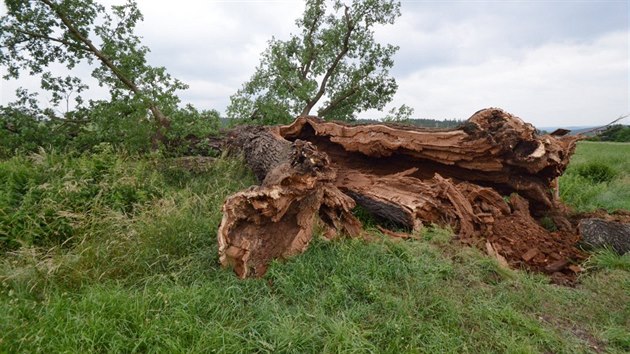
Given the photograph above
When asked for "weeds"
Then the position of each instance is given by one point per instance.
(608, 259)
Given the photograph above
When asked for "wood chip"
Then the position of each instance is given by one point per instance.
(556, 266)
(529, 255)
(493, 253)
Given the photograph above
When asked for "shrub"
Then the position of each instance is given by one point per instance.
(120, 123)
(617, 132)
(597, 172)
(23, 131)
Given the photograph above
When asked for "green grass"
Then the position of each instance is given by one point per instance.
(586, 187)
(608, 259)
(137, 271)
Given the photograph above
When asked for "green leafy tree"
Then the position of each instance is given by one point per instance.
(401, 114)
(335, 62)
(23, 126)
(37, 33)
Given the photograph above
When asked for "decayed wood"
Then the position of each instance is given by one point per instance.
(409, 176)
(275, 220)
(493, 148)
(411, 202)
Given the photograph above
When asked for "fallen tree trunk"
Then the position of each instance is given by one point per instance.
(493, 148)
(409, 176)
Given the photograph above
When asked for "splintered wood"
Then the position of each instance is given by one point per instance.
(488, 180)
(275, 219)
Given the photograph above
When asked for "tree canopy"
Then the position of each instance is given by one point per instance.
(334, 63)
(37, 34)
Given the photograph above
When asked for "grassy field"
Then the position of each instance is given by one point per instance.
(598, 177)
(116, 253)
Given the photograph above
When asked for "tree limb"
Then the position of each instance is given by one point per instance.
(52, 39)
(306, 67)
(334, 103)
(161, 119)
(333, 67)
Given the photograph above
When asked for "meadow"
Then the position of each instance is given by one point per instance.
(111, 252)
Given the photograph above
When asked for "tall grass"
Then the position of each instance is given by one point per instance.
(136, 270)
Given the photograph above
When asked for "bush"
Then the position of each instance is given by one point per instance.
(23, 130)
(597, 172)
(617, 133)
(189, 131)
(121, 123)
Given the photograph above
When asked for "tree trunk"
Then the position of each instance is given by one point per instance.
(492, 148)
(488, 179)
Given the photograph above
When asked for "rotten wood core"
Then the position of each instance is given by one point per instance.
(276, 219)
(488, 179)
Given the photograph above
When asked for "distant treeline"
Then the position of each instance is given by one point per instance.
(617, 132)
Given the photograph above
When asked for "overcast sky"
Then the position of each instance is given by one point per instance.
(553, 63)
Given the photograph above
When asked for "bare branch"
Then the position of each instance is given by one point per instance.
(597, 129)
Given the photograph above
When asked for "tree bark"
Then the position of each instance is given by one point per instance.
(488, 179)
(598, 233)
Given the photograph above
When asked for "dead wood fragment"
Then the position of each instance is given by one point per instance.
(394, 234)
(275, 220)
(195, 164)
(525, 243)
(492, 252)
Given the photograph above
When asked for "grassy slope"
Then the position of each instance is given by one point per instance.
(134, 268)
